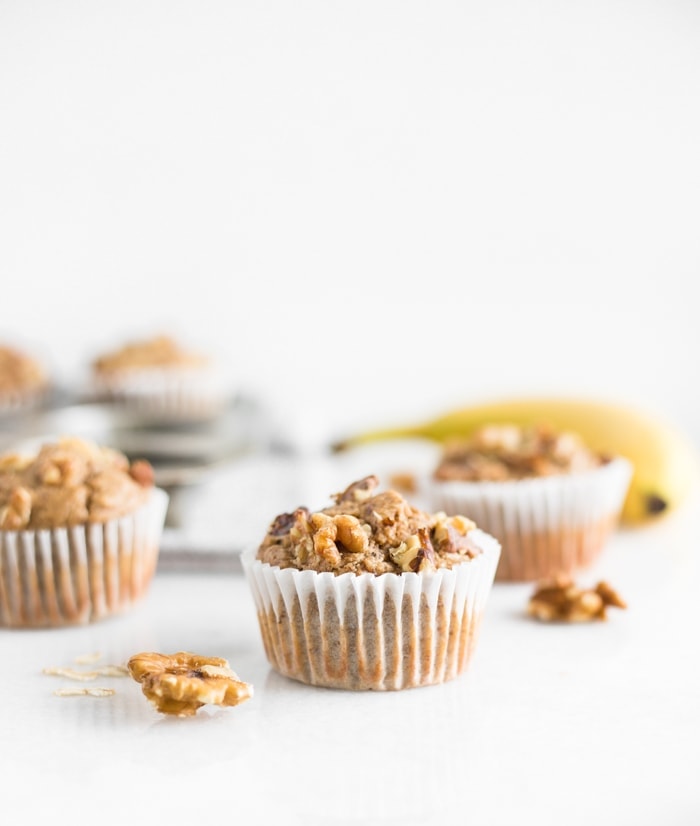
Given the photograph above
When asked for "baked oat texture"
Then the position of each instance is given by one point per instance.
(146, 354)
(70, 482)
(365, 531)
(498, 453)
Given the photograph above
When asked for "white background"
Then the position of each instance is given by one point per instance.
(369, 210)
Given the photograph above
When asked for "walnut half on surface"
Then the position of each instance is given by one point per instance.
(181, 683)
(560, 600)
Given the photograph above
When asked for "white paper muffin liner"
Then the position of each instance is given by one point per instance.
(76, 575)
(360, 631)
(546, 526)
(167, 394)
(18, 401)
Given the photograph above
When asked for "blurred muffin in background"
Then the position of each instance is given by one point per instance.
(80, 529)
(24, 381)
(550, 500)
(161, 379)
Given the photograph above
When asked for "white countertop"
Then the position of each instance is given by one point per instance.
(593, 724)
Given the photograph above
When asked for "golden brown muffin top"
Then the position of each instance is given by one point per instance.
(499, 453)
(370, 532)
(70, 482)
(19, 372)
(158, 352)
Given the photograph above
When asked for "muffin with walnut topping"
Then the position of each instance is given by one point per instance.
(370, 592)
(80, 531)
(161, 379)
(550, 500)
(24, 381)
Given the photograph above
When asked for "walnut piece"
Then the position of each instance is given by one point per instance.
(15, 515)
(560, 600)
(416, 553)
(182, 683)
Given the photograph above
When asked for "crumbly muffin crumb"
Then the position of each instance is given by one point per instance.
(70, 482)
(368, 532)
(498, 453)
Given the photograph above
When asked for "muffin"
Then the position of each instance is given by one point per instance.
(370, 592)
(80, 530)
(549, 500)
(161, 379)
(24, 381)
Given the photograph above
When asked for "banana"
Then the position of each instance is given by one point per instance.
(665, 463)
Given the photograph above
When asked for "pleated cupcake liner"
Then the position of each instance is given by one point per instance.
(168, 394)
(18, 401)
(360, 631)
(546, 526)
(77, 575)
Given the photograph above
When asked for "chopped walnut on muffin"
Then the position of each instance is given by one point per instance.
(499, 453)
(70, 482)
(364, 531)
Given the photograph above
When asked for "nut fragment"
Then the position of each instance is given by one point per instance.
(406, 553)
(15, 515)
(182, 683)
(560, 600)
(350, 533)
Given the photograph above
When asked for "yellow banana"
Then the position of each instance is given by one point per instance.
(665, 462)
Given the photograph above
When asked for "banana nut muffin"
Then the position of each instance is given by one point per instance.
(550, 500)
(162, 380)
(496, 453)
(370, 592)
(22, 378)
(80, 528)
(159, 351)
